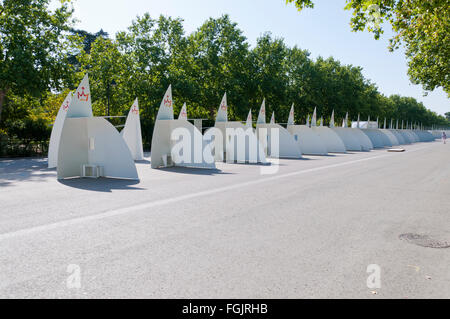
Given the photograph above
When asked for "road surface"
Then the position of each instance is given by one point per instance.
(309, 231)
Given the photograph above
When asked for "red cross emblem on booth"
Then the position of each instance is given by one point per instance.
(135, 110)
(292, 113)
(263, 110)
(83, 96)
(66, 106)
(183, 113)
(168, 101)
(223, 106)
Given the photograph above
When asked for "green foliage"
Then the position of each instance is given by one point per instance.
(34, 47)
(421, 26)
(153, 53)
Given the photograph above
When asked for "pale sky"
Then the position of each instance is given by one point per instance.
(324, 31)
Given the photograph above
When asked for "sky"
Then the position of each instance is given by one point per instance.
(323, 31)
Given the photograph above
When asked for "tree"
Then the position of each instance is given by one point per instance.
(271, 73)
(105, 64)
(447, 116)
(33, 46)
(421, 26)
(154, 53)
(219, 57)
(87, 40)
(302, 75)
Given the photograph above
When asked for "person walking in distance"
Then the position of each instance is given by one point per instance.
(444, 137)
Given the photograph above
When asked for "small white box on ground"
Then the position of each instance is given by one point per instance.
(91, 171)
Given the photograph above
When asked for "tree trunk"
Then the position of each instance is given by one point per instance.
(2, 99)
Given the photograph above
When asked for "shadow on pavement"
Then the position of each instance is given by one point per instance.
(24, 169)
(194, 171)
(142, 162)
(101, 184)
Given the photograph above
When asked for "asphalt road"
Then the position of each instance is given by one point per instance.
(310, 230)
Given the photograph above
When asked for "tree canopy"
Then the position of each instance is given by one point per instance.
(422, 27)
(34, 47)
(154, 52)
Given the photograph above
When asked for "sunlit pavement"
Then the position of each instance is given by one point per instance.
(309, 230)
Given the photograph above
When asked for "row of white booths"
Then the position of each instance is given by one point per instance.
(82, 145)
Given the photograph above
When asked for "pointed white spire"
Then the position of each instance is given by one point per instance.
(384, 127)
(357, 125)
(165, 111)
(55, 136)
(314, 118)
(392, 124)
(183, 113)
(272, 119)
(262, 113)
(291, 116)
(222, 113)
(321, 121)
(332, 119)
(344, 124)
(307, 121)
(248, 124)
(134, 110)
(131, 133)
(65, 105)
(81, 103)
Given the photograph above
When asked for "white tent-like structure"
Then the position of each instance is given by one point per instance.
(55, 136)
(183, 113)
(400, 137)
(91, 146)
(233, 141)
(386, 138)
(287, 146)
(377, 138)
(437, 134)
(401, 140)
(364, 140)
(415, 138)
(412, 137)
(409, 137)
(409, 134)
(308, 140)
(391, 136)
(353, 138)
(131, 133)
(333, 142)
(350, 141)
(424, 136)
(249, 122)
(178, 142)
